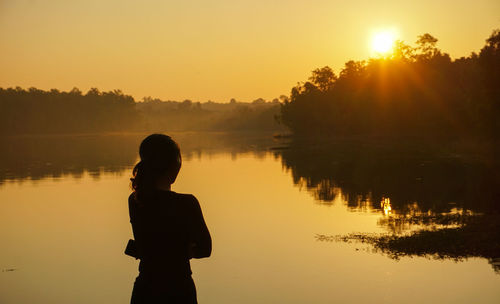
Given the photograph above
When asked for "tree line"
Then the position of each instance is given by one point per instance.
(35, 111)
(38, 111)
(258, 115)
(415, 91)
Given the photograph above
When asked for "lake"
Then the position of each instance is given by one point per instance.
(275, 209)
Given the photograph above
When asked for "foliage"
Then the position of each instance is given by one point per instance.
(35, 111)
(416, 91)
(38, 111)
(210, 116)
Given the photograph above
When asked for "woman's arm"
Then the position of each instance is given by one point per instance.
(133, 247)
(201, 246)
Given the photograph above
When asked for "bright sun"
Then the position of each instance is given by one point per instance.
(383, 41)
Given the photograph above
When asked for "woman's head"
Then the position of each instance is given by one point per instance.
(159, 165)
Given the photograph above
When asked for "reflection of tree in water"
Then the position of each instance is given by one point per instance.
(364, 175)
(38, 157)
(453, 202)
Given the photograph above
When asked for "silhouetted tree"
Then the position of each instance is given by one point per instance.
(415, 91)
(37, 111)
(323, 78)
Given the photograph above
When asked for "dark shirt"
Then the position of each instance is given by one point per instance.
(169, 229)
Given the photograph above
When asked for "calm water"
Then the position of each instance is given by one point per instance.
(64, 221)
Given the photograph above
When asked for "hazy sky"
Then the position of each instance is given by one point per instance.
(218, 49)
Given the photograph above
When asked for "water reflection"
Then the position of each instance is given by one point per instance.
(385, 204)
(391, 179)
(38, 157)
(434, 203)
(35, 158)
(431, 202)
(400, 182)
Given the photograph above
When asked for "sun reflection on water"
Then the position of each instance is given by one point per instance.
(385, 204)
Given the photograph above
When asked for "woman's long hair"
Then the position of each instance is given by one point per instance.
(160, 158)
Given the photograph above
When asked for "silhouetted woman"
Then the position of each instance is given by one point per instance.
(168, 227)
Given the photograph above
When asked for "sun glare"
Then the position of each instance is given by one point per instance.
(383, 42)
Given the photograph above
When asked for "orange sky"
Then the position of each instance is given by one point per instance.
(214, 50)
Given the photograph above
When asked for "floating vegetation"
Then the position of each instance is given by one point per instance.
(9, 269)
(398, 223)
(478, 237)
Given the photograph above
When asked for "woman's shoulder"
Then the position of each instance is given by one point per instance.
(187, 197)
(187, 200)
(166, 196)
